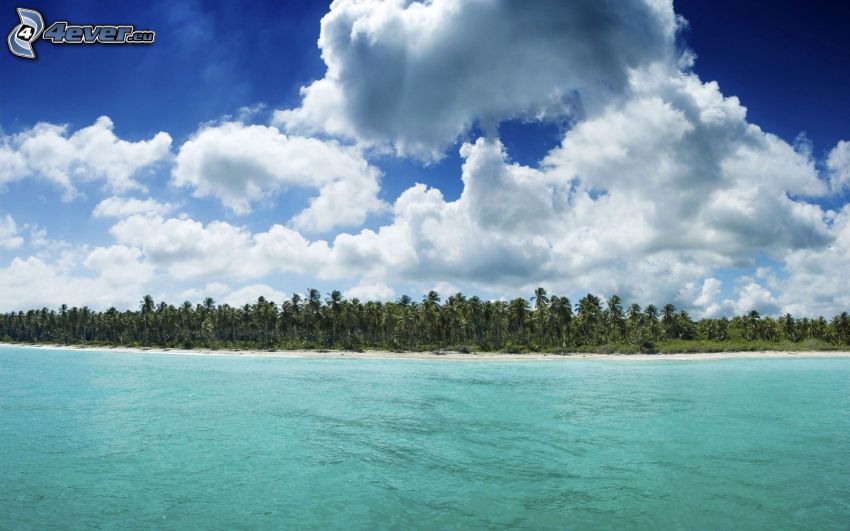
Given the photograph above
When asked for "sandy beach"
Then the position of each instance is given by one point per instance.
(444, 355)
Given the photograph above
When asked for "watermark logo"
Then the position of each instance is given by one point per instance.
(23, 36)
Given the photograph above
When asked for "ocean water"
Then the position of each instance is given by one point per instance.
(108, 440)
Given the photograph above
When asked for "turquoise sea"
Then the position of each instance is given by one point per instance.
(109, 440)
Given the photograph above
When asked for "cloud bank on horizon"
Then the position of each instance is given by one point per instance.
(659, 182)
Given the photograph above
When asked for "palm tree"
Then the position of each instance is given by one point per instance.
(616, 324)
(685, 327)
(635, 321)
(560, 318)
(517, 317)
(651, 320)
(541, 301)
(589, 313)
(752, 324)
(314, 313)
(788, 326)
(841, 325)
(334, 301)
(430, 311)
(146, 306)
(668, 321)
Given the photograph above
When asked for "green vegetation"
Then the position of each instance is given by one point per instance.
(543, 324)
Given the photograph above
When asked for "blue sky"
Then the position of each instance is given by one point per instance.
(220, 63)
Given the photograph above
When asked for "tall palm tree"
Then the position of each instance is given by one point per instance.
(314, 313)
(541, 301)
(518, 316)
(841, 325)
(634, 322)
(589, 314)
(668, 321)
(753, 325)
(334, 301)
(560, 318)
(616, 324)
(147, 307)
(650, 313)
(685, 326)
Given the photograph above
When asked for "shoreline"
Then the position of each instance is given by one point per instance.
(451, 356)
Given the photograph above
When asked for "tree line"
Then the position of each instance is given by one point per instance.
(540, 323)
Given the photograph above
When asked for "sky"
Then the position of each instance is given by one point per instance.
(688, 152)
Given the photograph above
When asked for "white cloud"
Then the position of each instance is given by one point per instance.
(119, 264)
(122, 207)
(186, 248)
(838, 165)
(417, 75)
(92, 153)
(680, 160)
(242, 164)
(212, 289)
(704, 298)
(445, 289)
(13, 165)
(9, 237)
(710, 289)
(753, 296)
(373, 290)
(118, 280)
(250, 294)
(817, 281)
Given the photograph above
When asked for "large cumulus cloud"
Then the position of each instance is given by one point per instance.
(416, 75)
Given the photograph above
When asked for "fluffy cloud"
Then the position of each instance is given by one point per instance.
(704, 299)
(816, 280)
(9, 238)
(241, 164)
(212, 289)
(374, 290)
(117, 278)
(119, 264)
(186, 248)
(92, 153)
(416, 75)
(752, 295)
(122, 207)
(250, 294)
(838, 165)
(680, 160)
